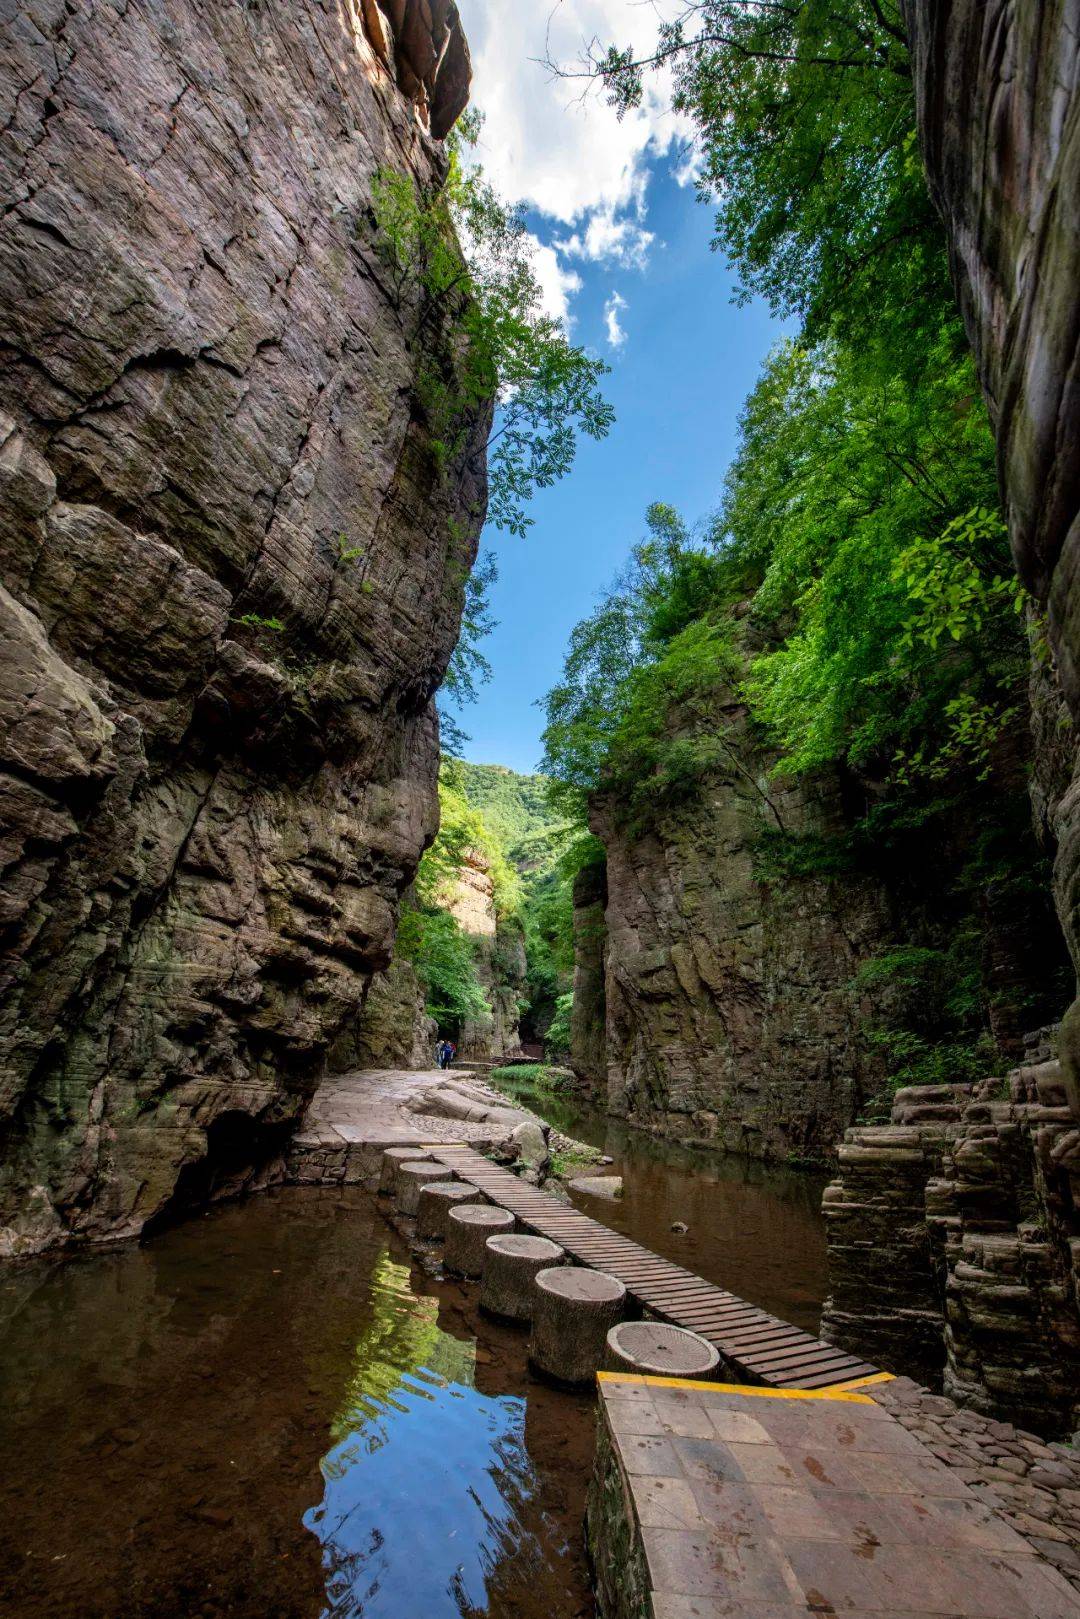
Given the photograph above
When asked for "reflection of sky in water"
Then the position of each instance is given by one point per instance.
(426, 1479)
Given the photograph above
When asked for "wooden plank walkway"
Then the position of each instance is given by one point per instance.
(764, 1349)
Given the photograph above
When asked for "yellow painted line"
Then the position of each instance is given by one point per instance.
(864, 1382)
(744, 1389)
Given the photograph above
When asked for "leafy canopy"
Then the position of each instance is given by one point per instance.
(471, 254)
(806, 144)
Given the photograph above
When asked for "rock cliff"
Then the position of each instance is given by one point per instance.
(999, 121)
(232, 573)
(499, 948)
(952, 1244)
(731, 1014)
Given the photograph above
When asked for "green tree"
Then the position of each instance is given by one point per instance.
(472, 256)
(805, 115)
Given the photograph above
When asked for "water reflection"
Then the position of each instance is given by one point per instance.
(265, 1413)
(754, 1229)
(430, 1492)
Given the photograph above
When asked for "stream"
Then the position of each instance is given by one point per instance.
(269, 1412)
(752, 1228)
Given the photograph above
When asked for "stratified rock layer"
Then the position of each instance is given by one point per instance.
(999, 120)
(588, 1014)
(732, 1014)
(232, 575)
(953, 1249)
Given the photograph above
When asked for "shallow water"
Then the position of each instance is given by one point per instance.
(267, 1412)
(753, 1229)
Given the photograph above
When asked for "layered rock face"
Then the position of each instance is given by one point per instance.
(394, 1030)
(952, 1245)
(499, 949)
(999, 120)
(731, 1015)
(588, 1014)
(231, 578)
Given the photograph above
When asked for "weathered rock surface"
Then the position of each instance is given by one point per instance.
(210, 421)
(952, 1244)
(498, 946)
(394, 1029)
(999, 121)
(588, 1016)
(731, 1016)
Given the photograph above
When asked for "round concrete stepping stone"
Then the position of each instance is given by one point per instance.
(468, 1228)
(411, 1175)
(436, 1200)
(510, 1267)
(574, 1309)
(391, 1158)
(649, 1348)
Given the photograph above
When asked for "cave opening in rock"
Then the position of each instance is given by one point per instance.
(241, 1153)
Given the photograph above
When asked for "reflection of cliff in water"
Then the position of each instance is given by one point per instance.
(184, 1413)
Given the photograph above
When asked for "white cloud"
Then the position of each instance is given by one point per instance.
(616, 334)
(556, 145)
(557, 284)
(608, 240)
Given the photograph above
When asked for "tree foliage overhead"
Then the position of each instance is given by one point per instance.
(855, 591)
(472, 255)
(805, 115)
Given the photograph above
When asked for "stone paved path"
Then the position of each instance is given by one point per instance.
(372, 1105)
(1034, 1487)
(776, 1504)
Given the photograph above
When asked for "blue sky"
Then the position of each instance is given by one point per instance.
(611, 222)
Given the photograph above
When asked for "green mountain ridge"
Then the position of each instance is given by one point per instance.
(516, 810)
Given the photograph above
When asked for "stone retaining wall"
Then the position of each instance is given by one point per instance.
(954, 1244)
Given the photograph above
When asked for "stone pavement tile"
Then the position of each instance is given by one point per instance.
(952, 1521)
(739, 1426)
(902, 1475)
(643, 1453)
(707, 1459)
(798, 1514)
(624, 1388)
(666, 1503)
(766, 1464)
(1041, 1592)
(835, 1428)
(694, 1563)
(666, 1394)
(669, 1605)
(833, 1577)
(922, 1580)
(731, 1510)
(686, 1421)
(817, 1469)
(632, 1416)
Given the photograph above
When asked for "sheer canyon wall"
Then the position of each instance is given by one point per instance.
(232, 573)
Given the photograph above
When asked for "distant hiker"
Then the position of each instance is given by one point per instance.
(438, 1053)
(451, 1052)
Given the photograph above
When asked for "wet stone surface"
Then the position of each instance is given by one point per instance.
(1034, 1486)
(746, 1503)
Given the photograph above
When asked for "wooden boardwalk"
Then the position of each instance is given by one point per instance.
(758, 1346)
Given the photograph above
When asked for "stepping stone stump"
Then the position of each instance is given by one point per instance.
(434, 1203)
(651, 1349)
(510, 1267)
(468, 1228)
(574, 1309)
(391, 1158)
(411, 1175)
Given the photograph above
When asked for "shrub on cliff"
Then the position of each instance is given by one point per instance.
(472, 255)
